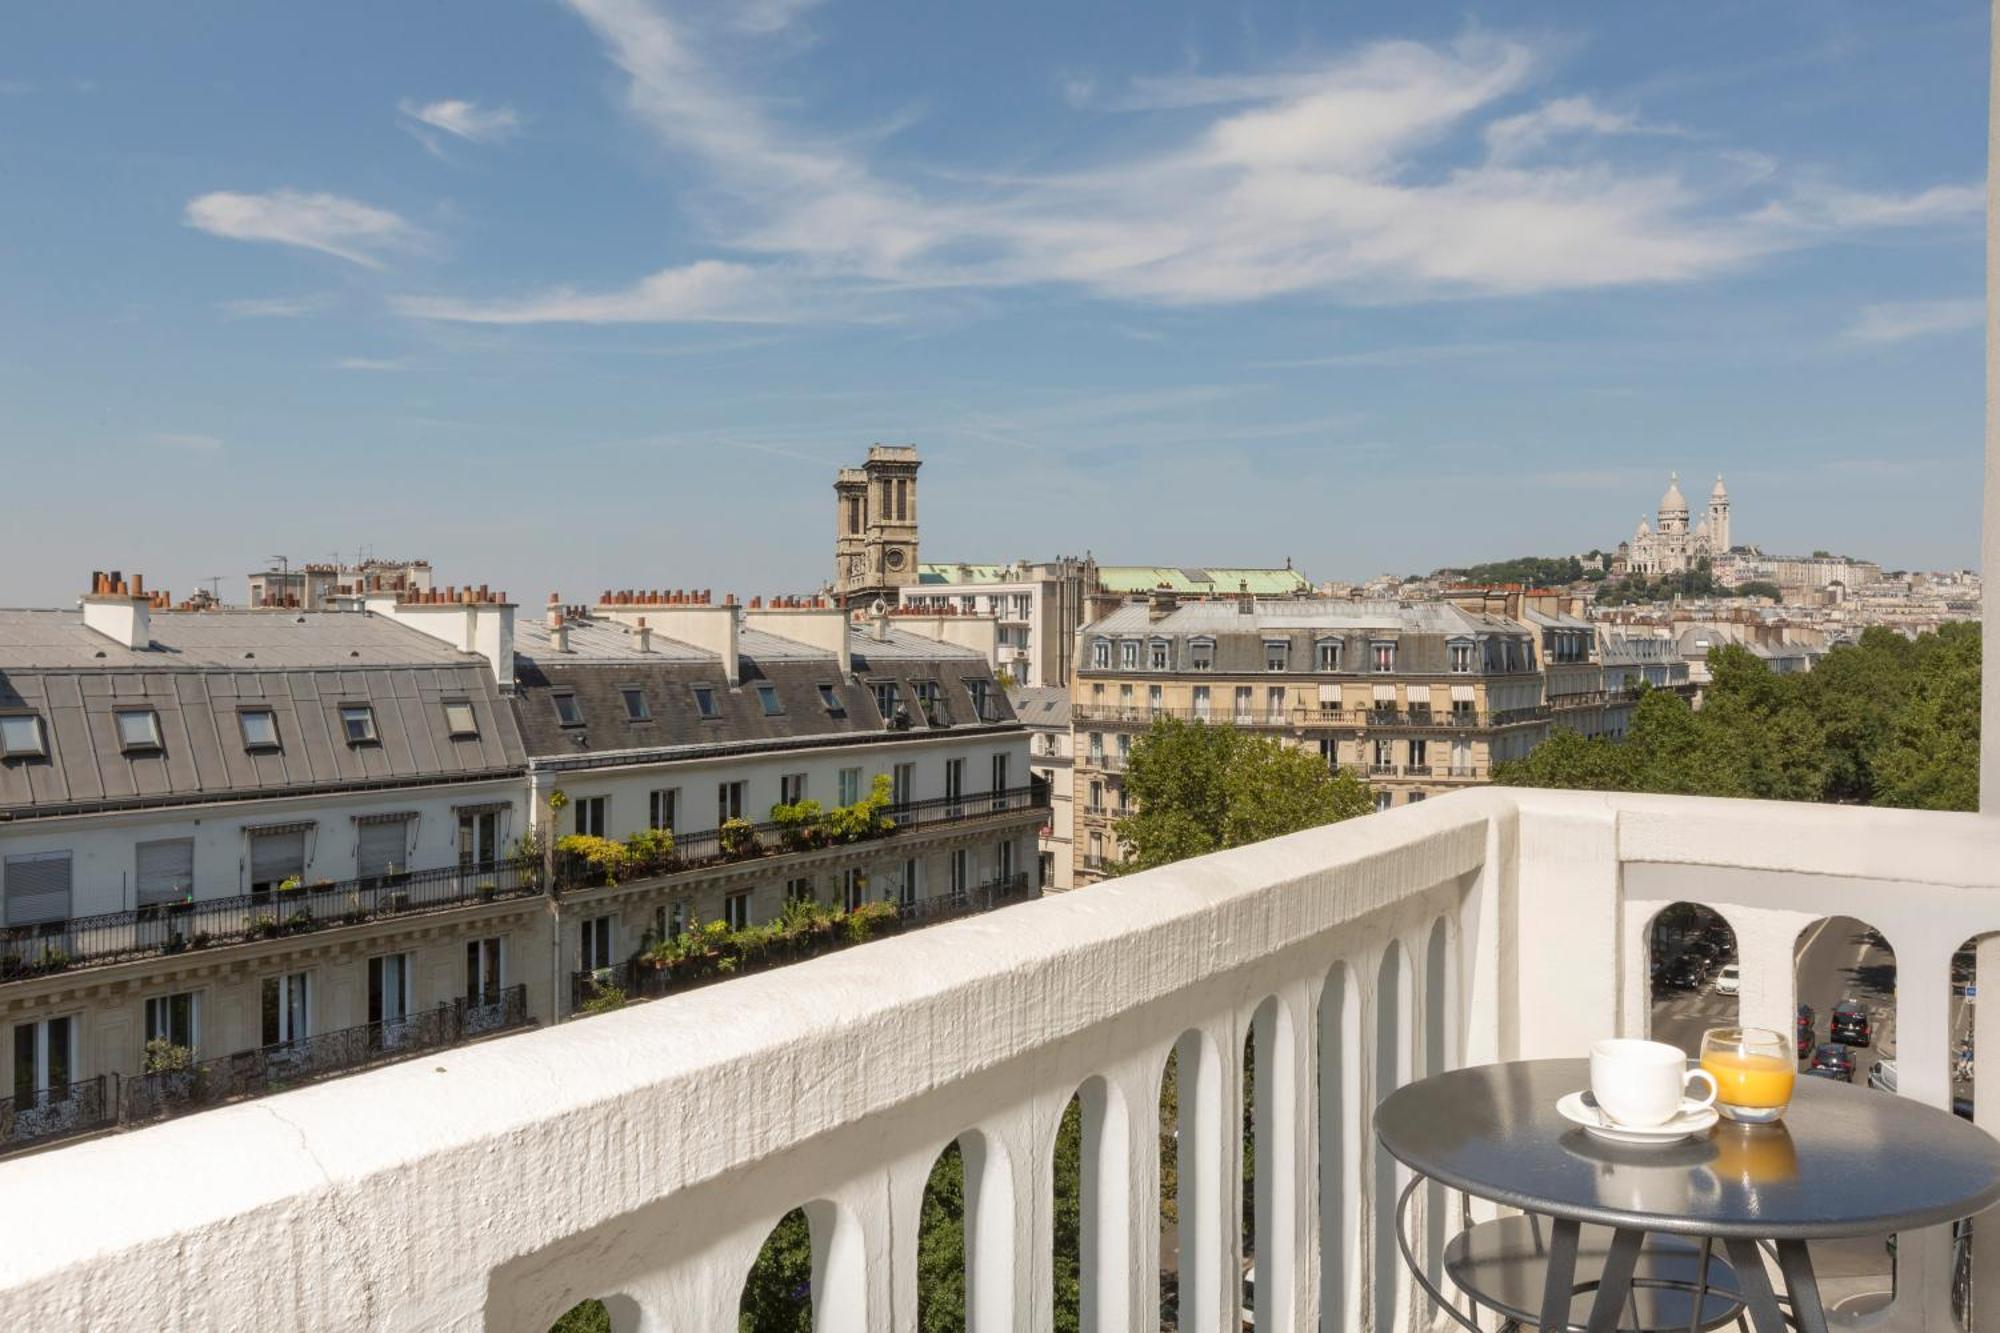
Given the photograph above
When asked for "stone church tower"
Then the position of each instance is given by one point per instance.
(875, 534)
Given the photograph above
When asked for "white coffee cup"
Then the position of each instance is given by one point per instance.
(1643, 1083)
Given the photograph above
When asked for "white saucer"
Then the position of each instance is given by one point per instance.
(1693, 1119)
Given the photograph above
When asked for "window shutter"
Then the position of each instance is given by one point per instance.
(37, 888)
(385, 847)
(277, 856)
(166, 871)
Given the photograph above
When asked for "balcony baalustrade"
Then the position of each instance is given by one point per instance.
(1486, 925)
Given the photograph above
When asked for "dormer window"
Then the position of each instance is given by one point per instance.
(1158, 655)
(459, 721)
(1277, 653)
(1461, 657)
(357, 724)
(138, 729)
(1201, 654)
(704, 701)
(1327, 653)
(1384, 653)
(1100, 654)
(1128, 654)
(568, 711)
(21, 736)
(636, 707)
(767, 697)
(259, 727)
(830, 700)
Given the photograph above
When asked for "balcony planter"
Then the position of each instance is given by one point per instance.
(264, 928)
(486, 891)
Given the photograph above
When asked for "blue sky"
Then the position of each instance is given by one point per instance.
(566, 296)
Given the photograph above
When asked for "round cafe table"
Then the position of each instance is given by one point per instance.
(1844, 1161)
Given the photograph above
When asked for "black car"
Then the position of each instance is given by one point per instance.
(1686, 973)
(1832, 1061)
(1805, 1030)
(1849, 1024)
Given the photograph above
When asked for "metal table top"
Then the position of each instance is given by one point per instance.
(1845, 1161)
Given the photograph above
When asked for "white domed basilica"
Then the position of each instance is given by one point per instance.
(1674, 548)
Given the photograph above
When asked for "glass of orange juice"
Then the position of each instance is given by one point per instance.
(1753, 1071)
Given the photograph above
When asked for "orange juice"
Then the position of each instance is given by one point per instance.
(1751, 1081)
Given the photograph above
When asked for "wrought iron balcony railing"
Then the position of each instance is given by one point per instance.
(61, 1112)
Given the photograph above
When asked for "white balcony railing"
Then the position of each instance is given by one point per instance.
(642, 1157)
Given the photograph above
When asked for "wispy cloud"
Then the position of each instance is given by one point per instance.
(190, 442)
(328, 223)
(1899, 321)
(466, 120)
(273, 307)
(1418, 355)
(1347, 180)
(374, 363)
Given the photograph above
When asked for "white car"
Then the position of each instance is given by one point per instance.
(1728, 979)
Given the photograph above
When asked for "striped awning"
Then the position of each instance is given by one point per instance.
(392, 817)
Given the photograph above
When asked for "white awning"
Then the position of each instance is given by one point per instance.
(1386, 692)
(1329, 694)
(1461, 692)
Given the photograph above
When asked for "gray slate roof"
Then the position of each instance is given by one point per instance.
(1042, 705)
(1287, 616)
(202, 669)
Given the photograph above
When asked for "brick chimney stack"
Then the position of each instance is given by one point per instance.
(119, 610)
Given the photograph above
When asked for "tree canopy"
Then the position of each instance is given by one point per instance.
(1886, 721)
(1201, 788)
(1535, 571)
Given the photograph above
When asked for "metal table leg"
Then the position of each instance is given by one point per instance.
(1614, 1285)
(1754, 1285)
(1796, 1264)
(1560, 1283)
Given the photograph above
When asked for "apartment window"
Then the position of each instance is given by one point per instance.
(961, 872)
(906, 892)
(1124, 746)
(1276, 654)
(138, 729)
(1385, 755)
(1096, 853)
(1201, 654)
(636, 707)
(728, 801)
(1274, 704)
(850, 785)
(1201, 703)
(172, 1018)
(736, 910)
(21, 736)
(663, 808)
(389, 990)
(595, 947)
(1385, 656)
(1096, 747)
(1100, 655)
(853, 888)
(357, 724)
(791, 788)
(1244, 695)
(1328, 651)
(830, 700)
(1413, 798)
(276, 855)
(767, 697)
(954, 779)
(382, 847)
(1464, 712)
(1153, 700)
(999, 779)
(704, 701)
(483, 977)
(800, 890)
(932, 703)
(1329, 750)
(1419, 753)
(1157, 655)
(1021, 607)
(1123, 801)
(982, 700)
(1003, 861)
(165, 872)
(478, 838)
(591, 815)
(672, 920)
(1461, 657)
(903, 784)
(287, 1008)
(568, 711)
(1096, 796)
(44, 1059)
(888, 700)
(259, 727)
(1128, 654)
(1125, 701)
(1383, 800)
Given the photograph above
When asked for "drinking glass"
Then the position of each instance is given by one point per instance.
(1753, 1071)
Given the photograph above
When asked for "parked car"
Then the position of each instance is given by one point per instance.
(1849, 1024)
(1686, 973)
(1882, 1075)
(1805, 1030)
(1728, 979)
(1832, 1061)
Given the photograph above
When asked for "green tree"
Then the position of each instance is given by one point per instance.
(777, 1294)
(1930, 757)
(1202, 788)
(585, 1317)
(941, 1246)
(1760, 588)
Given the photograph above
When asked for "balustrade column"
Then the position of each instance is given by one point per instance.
(1210, 1145)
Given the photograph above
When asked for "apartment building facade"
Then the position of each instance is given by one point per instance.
(1045, 712)
(244, 849)
(1416, 699)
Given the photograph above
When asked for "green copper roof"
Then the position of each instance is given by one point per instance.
(1205, 581)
